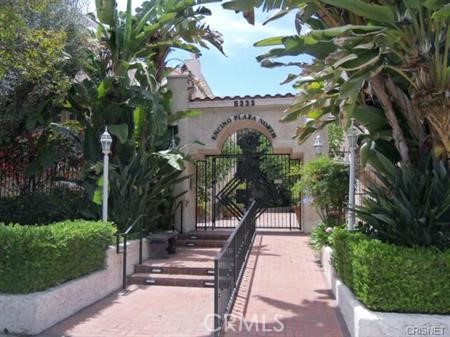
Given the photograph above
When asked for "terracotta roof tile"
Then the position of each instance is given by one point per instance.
(233, 98)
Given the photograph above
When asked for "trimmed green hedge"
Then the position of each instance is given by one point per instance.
(392, 278)
(34, 258)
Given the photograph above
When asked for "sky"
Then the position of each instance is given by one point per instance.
(238, 73)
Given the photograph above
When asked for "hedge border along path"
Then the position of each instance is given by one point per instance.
(391, 278)
(34, 258)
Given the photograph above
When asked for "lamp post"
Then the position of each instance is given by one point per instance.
(318, 145)
(173, 143)
(352, 137)
(106, 142)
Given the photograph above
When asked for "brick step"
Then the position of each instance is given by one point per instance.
(201, 243)
(197, 281)
(204, 236)
(174, 270)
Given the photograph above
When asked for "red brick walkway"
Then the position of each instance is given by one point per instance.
(283, 292)
(281, 278)
(147, 311)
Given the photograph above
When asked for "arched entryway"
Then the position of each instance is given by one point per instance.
(244, 171)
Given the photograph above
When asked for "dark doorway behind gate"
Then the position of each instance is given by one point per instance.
(227, 184)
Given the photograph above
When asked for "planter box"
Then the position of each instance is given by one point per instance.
(33, 313)
(163, 244)
(362, 322)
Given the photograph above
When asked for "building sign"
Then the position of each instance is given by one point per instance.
(242, 117)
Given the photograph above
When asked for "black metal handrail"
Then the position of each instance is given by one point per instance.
(229, 266)
(124, 235)
(179, 205)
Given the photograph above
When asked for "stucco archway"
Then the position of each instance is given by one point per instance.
(205, 134)
(236, 127)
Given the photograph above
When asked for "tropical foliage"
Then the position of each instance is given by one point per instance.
(411, 205)
(384, 63)
(125, 91)
(122, 84)
(144, 186)
(326, 182)
(114, 77)
(41, 49)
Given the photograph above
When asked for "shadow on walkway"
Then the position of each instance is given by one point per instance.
(283, 292)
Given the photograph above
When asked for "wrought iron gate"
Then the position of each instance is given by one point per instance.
(227, 184)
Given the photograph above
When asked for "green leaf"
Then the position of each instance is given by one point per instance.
(414, 4)
(174, 117)
(103, 87)
(120, 131)
(337, 31)
(98, 194)
(128, 26)
(443, 14)
(138, 119)
(296, 45)
(106, 11)
(270, 64)
(289, 78)
(344, 59)
(433, 4)
(371, 117)
(363, 60)
(374, 12)
(173, 159)
(352, 87)
(277, 15)
(271, 41)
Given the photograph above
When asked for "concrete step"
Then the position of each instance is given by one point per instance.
(201, 243)
(157, 269)
(223, 236)
(198, 281)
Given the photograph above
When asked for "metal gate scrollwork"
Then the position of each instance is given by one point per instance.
(227, 184)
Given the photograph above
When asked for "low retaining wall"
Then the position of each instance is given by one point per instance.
(362, 322)
(33, 313)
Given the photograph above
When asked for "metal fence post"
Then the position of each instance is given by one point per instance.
(124, 275)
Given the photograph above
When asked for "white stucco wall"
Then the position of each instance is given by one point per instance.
(32, 313)
(198, 136)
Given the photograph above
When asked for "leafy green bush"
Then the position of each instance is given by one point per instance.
(320, 236)
(34, 258)
(392, 278)
(411, 205)
(43, 208)
(326, 181)
(144, 186)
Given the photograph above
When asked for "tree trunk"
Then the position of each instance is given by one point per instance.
(378, 86)
(404, 103)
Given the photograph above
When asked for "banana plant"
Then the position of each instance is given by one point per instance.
(122, 87)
